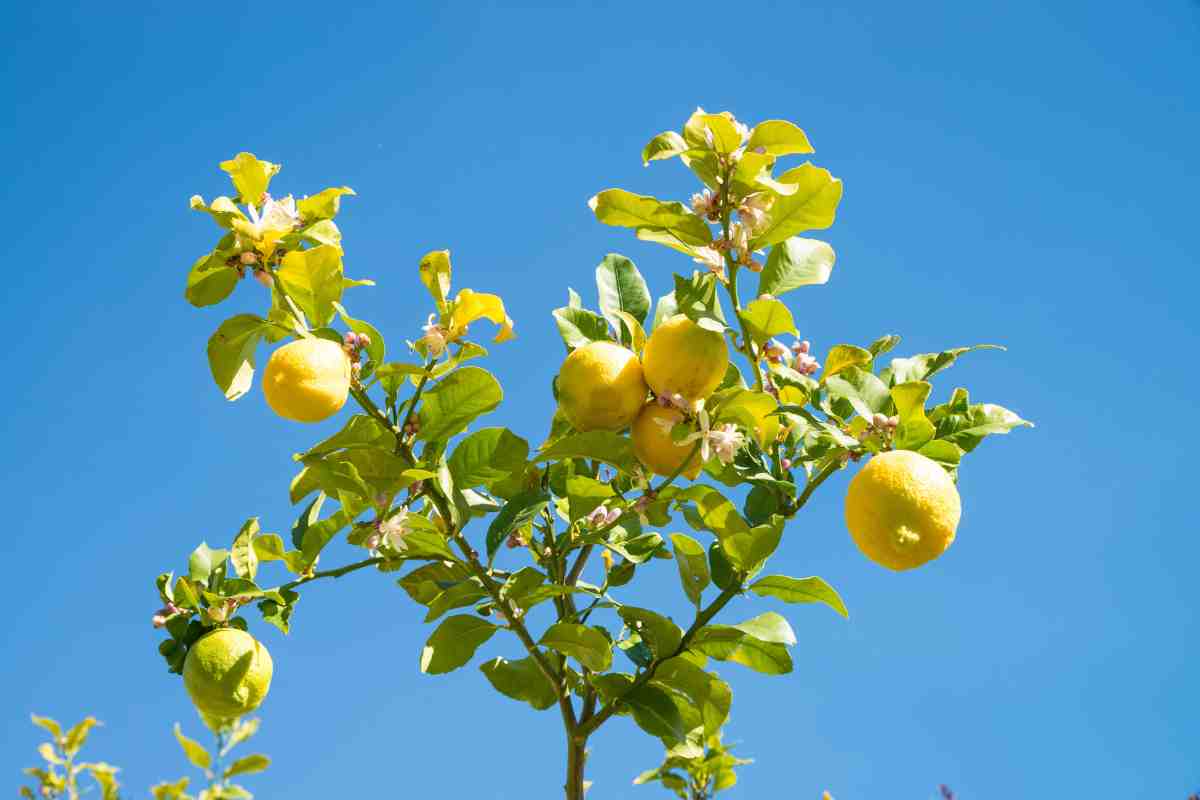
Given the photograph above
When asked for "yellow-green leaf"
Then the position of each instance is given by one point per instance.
(250, 175)
(666, 145)
(322, 205)
(194, 751)
(435, 274)
(628, 210)
(712, 131)
(470, 306)
(842, 356)
(812, 206)
(778, 137)
(313, 278)
(765, 318)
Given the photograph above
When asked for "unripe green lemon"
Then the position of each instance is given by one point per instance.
(227, 673)
(307, 380)
(683, 358)
(600, 387)
(652, 444)
(902, 509)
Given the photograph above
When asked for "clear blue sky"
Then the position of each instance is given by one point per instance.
(1026, 176)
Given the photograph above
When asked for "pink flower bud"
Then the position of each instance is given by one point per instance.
(514, 541)
(264, 277)
(597, 517)
(613, 516)
(159, 619)
(879, 420)
(364, 340)
(802, 346)
(892, 422)
(786, 463)
(373, 541)
(351, 339)
(249, 257)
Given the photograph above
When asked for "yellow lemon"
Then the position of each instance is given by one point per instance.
(307, 380)
(227, 673)
(902, 509)
(652, 443)
(683, 358)
(600, 387)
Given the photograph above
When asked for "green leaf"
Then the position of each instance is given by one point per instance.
(454, 642)
(251, 176)
(769, 627)
(325, 204)
(435, 274)
(313, 278)
(796, 262)
(621, 288)
(210, 280)
(521, 680)
(865, 392)
(78, 734)
(922, 367)
(693, 568)
(487, 455)
(231, 353)
(767, 318)
(812, 206)
(708, 694)
(747, 550)
(604, 446)
(194, 751)
(456, 596)
(578, 326)
(714, 512)
(844, 356)
(661, 634)
(243, 554)
(426, 582)
(517, 512)
(586, 645)
(223, 210)
(456, 401)
(914, 429)
(247, 765)
(628, 210)
(667, 144)
(778, 137)
(585, 494)
(204, 561)
(982, 419)
(712, 132)
(697, 298)
(655, 712)
(728, 643)
(800, 590)
(943, 452)
(48, 724)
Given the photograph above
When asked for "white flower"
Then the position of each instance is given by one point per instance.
(739, 239)
(711, 259)
(753, 211)
(704, 204)
(435, 337)
(394, 529)
(277, 215)
(777, 352)
(725, 441)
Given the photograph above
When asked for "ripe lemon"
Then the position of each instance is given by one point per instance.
(227, 673)
(307, 380)
(600, 387)
(683, 358)
(653, 446)
(902, 509)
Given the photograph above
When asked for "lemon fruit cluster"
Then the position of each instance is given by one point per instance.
(307, 380)
(604, 386)
(902, 509)
(227, 673)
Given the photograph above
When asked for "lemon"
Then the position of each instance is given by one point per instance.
(600, 387)
(902, 509)
(683, 358)
(307, 380)
(227, 673)
(653, 446)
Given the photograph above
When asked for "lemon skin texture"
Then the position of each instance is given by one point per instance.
(902, 510)
(307, 380)
(683, 358)
(227, 673)
(601, 387)
(653, 446)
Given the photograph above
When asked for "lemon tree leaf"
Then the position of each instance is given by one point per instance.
(914, 429)
(967, 430)
(456, 401)
(223, 210)
(578, 326)
(604, 446)
(47, 724)
(621, 288)
(748, 549)
(628, 210)
(487, 455)
(376, 350)
(456, 596)
(800, 590)
(693, 568)
(667, 144)
(584, 494)
(314, 279)
(325, 204)
(247, 765)
(435, 274)
(765, 318)
(862, 389)
(924, 366)
(250, 175)
(470, 305)
(777, 137)
(454, 642)
(696, 297)
(210, 280)
(655, 712)
(729, 643)
(231, 353)
(521, 680)
(708, 694)
(844, 356)
(712, 131)
(243, 554)
(586, 645)
(796, 262)
(661, 634)
(518, 511)
(812, 206)
(194, 751)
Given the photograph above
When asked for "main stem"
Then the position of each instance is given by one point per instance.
(576, 759)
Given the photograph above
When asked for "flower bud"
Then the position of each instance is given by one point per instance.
(802, 347)
(879, 421)
(514, 541)
(264, 277)
(249, 257)
(613, 516)
(364, 340)
(786, 463)
(351, 339)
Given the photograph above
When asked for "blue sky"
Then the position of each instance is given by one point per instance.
(1025, 177)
